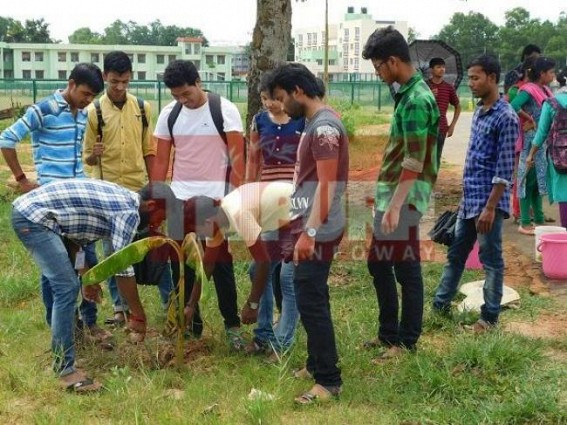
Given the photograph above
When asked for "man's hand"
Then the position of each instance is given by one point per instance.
(529, 161)
(248, 315)
(92, 293)
(98, 148)
(485, 220)
(390, 220)
(529, 125)
(304, 249)
(450, 131)
(189, 312)
(26, 186)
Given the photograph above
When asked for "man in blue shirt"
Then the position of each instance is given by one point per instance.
(57, 126)
(486, 196)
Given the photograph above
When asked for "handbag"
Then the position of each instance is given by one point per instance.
(443, 231)
(150, 270)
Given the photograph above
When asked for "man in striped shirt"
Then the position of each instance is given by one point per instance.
(445, 95)
(54, 222)
(57, 125)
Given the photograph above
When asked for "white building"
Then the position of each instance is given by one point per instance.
(346, 41)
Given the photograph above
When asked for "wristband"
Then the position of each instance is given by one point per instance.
(21, 177)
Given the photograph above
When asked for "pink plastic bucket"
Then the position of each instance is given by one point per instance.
(553, 247)
(473, 262)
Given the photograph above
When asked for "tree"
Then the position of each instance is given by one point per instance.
(270, 43)
(412, 35)
(471, 35)
(37, 31)
(85, 35)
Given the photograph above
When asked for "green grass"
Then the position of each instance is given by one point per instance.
(453, 378)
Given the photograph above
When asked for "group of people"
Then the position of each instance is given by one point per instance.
(284, 201)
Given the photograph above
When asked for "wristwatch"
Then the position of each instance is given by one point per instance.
(253, 306)
(311, 232)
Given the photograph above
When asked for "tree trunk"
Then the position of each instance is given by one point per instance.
(270, 43)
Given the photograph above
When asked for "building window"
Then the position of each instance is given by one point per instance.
(209, 59)
(196, 49)
(220, 76)
(62, 75)
(39, 56)
(95, 57)
(346, 35)
(332, 62)
(357, 49)
(26, 73)
(39, 74)
(319, 62)
(314, 38)
(197, 64)
(171, 58)
(141, 75)
(62, 56)
(309, 38)
(26, 56)
(188, 49)
(8, 74)
(141, 58)
(160, 59)
(74, 56)
(220, 59)
(356, 33)
(356, 64)
(299, 40)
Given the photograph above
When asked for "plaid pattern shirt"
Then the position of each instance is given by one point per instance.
(490, 158)
(84, 211)
(412, 145)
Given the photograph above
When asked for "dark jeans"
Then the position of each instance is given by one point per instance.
(395, 257)
(312, 296)
(225, 285)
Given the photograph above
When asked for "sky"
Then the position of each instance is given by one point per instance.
(230, 22)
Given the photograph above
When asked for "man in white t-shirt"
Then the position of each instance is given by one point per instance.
(205, 162)
(248, 211)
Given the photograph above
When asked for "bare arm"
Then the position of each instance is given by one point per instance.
(456, 115)
(254, 158)
(11, 158)
(235, 146)
(161, 161)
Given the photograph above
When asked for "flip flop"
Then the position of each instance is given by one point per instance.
(318, 394)
(79, 383)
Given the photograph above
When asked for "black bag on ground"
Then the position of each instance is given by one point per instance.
(150, 270)
(443, 231)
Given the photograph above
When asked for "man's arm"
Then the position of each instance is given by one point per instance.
(161, 161)
(254, 157)
(235, 147)
(456, 115)
(327, 171)
(149, 143)
(93, 146)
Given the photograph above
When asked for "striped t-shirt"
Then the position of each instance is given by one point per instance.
(56, 135)
(445, 95)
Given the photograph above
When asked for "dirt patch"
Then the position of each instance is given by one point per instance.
(374, 130)
(547, 326)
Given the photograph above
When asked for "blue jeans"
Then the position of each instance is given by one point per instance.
(87, 309)
(49, 253)
(395, 258)
(490, 254)
(313, 304)
(165, 285)
(281, 336)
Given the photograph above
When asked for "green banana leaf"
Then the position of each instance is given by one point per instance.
(194, 258)
(120, 260)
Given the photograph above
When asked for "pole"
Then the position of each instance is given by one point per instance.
(326, 52)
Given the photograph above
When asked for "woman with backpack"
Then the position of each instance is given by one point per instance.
(552, 127)
(531, 181)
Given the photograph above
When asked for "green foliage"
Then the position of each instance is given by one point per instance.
(31, 31)
(132, 33)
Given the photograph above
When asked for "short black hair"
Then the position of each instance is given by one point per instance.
(541, 64)
(292, 75)
(117, 61)
(165, 199)
(88, 74)
(180, 72)
(198, 209)
(529, 50)
(386, 42)
(488, 63)
(322, 88)
(436, 61)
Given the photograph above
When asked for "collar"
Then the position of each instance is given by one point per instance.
(496, 105)
(61, 102)
(415, 78)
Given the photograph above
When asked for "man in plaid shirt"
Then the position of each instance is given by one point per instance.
(409, 170)
(486, 195)
(67, 215)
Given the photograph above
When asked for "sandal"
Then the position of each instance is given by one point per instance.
(78, 383)
(375, 343)
(118, 320)
(549, 219)
(393, 352)
(318, 394)
(526, 230)
(235, 339)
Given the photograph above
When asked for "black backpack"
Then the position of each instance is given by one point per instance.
(557, 137)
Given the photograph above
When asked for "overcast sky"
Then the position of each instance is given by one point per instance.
(232, 21)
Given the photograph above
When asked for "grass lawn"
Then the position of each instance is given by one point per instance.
(454, 377)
